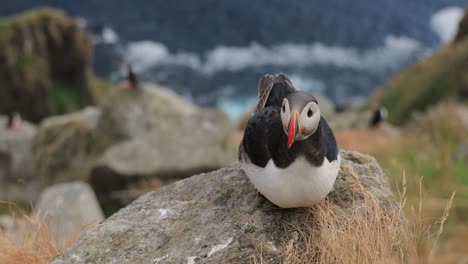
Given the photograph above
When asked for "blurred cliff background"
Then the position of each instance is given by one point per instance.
(64, 70)
(212, 52)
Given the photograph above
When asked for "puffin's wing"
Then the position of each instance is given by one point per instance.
(264, 127)
(266, 84)
(331, 148)
(261, 136)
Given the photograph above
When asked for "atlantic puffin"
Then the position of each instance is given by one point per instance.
(377, 118)
(288, 151)
(132, 80)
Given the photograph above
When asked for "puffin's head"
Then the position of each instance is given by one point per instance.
(300, 115)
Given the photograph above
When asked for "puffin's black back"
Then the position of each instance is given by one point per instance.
(264, 128)
(278, 92)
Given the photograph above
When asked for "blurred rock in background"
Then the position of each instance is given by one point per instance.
(68, 208)
(63, 148)
(16, 170)
(45, 65)
(154, 134)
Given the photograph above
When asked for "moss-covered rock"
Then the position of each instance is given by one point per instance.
(45, 63)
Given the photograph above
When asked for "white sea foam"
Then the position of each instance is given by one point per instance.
(308, 83)
(107, 36)
(146, 54)
(394, 51)
(445, 22)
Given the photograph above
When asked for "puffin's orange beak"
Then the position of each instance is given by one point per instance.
(293, 129)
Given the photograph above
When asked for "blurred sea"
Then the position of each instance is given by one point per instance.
(214, 51)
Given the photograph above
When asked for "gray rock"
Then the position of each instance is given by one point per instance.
(69, 208)
(64, 146)
(158, 135)
(156, 110)
(16, 168)
(165, 157)
(217, 218)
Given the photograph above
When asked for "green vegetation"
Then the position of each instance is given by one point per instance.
(64, 99)
(433, 79)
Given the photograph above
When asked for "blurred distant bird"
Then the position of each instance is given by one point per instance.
(377, 118)
(288, 150)
(13, 121)
(132, 80)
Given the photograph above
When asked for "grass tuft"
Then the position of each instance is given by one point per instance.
(367, 234)
(30, 241)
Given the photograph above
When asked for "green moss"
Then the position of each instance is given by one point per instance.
(64, 99)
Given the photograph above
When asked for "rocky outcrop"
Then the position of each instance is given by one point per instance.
(217, 218)
(69, 208)
(64, 146)
(45, 69)
(15, 157)
(156, 110)
(164, 158)
(158, 135)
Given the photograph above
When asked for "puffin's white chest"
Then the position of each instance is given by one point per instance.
(299, 185)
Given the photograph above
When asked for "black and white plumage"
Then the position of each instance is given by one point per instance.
(377, 118)
(288, 150)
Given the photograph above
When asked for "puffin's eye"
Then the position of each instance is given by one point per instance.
(310, 113)
(284, 108)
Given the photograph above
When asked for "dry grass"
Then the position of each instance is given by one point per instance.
(365, 234)
(30, 241)
(365, 141)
